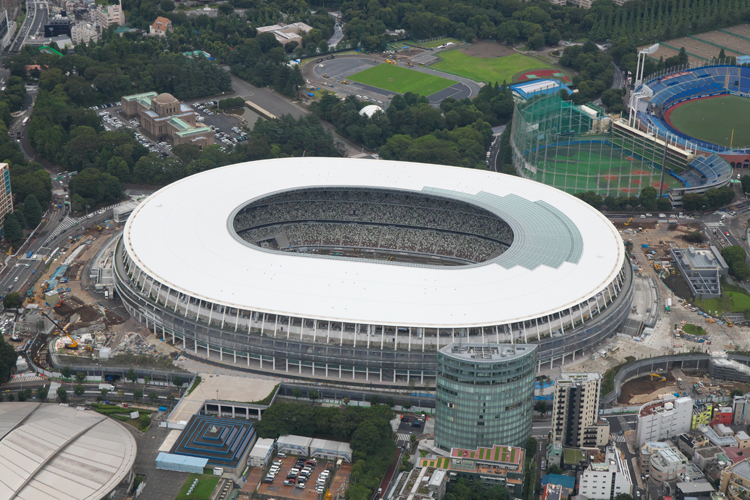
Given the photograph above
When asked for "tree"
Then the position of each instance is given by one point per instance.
(345, 401)
(62, 394)
(137, 394)
(745, 180)
(13, 301)
(145, 420)
(390, 402)
(12, 397)
(663, 205)
(413, 439)
(178, 380)
(648, 197)
(13, 231)
(131, 375)
(146, 380)
(104, 393)
(541, 406)
(166, 5)
(170, 398)
(536, 42)
(623, 496)
(41, 393)
(531, 447)
(313, 395)
(32, 211)
(66, 372)
(554, 469)
(79, 389)
(80, 377)
(297, 393)
(8, 357)
(153, 396)
(735, 392)
(22, 396)
(120, 393)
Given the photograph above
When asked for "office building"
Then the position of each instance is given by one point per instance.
(58, 26)
(660, 420)
(484, 395)
(703, 269)
(111, 15)
(6, 196)
(739, 410)
(606, 477)
(575, 411)
(163, 117)
(85, 33)
(735, 481)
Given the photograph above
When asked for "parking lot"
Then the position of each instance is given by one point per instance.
(285, 483)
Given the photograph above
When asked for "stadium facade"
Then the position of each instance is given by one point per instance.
(361, 270)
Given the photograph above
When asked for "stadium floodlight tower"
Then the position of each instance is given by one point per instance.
(636, 95)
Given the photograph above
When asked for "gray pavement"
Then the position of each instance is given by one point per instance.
(160, 484)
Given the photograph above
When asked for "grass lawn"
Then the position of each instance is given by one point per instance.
(487, 69)
(572, 456)
(401, 80)
(438, 43)
(694, 329)
(202, 490)
(712, 120)
(734, 302)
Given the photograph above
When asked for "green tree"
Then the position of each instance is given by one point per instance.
(146, 380)
(8, 357)
(131, 375)
(13, 230)
(80, 377)
(145, 420)
(345, 401)
(104, 393)
(22, 396)
(12, 397)
(153, 396)
(735, 393)
(178, 380)
(66, 372)
(41, 393)
(623, 496)
(62, 394)
(663, 205)
(32, 211)
(745, 180)
(79, 389)
(13, 301)
(530, 446)
(648, 197)
(137, 394)
(297, 393)
(541, 406)
(313, 395)
(554, 469)
(536, 42)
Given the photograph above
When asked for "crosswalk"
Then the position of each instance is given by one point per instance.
(25, 377)
(616, 438)
(67, 222)
(403, 436)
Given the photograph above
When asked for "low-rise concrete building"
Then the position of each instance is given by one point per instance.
(691, 441)
(743, 440)
(606, 477)
(701, 490)
(663, 462)
(735, 481)
(703, 269)
(705, 456)
(286, 33)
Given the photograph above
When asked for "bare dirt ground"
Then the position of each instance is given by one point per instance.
(644, 385)
(487, 49)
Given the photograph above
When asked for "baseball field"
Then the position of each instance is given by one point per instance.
(713, 119)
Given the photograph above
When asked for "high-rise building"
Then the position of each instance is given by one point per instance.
(660, 420)
(484, 395)
(110, 15)
(606, 477)
(575, 411)
(6, 196)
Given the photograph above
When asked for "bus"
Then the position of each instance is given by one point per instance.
(25, 120)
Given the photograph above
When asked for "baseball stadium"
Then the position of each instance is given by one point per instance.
(684, 135)
(330, 269)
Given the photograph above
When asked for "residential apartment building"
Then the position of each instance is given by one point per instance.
(702, 414)
(110, 15)
(690, 442)
(666, 464)
(85, 33)
(575, 410)
(660, 420)
(606, 477)
(735, 481)
(6, 195)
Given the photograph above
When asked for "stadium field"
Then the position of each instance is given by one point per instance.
(712, 120)
(597, 167)
(487, 69)
(401, 80)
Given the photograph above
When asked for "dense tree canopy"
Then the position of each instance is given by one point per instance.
(8, 357)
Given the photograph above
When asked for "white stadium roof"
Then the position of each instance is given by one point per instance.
(563, 252)
(49, 451)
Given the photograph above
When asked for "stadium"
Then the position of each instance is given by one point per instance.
(353, 269)
(578, 148)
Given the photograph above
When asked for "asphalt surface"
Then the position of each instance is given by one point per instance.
(36, 17)
(338, 35)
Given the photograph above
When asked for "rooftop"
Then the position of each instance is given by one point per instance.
(486, 352)
(742, 469)
(497, 454)
(661, 406)
(568, 378)
(564, 251)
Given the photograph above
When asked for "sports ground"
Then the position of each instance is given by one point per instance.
(488, 69)
(401, 80)
(712, 119)
(596, 167)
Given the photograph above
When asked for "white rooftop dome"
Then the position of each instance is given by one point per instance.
(370, 110)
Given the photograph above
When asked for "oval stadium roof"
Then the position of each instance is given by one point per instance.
(563, 252)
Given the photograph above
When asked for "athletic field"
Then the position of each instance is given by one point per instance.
(487, 69)
(713, 119)
(401, 80)
(596, 167)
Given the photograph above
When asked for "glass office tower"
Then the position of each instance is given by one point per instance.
(484, 395)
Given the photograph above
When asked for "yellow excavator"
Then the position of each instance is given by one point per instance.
(629, 221)
(73, 344)
(658, 377)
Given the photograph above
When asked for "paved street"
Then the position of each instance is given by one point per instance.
(36, 17)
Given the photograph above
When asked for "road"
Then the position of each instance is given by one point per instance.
(338, 35)
(36, 17)
(619, 79)
(541, 428)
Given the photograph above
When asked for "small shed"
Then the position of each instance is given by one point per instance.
(261, 453)
(294, 445)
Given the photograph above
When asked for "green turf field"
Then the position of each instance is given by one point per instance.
(202, 490)
(438, 43)
(712, 120)
(401, 80)
(487, 69)
(595, 167)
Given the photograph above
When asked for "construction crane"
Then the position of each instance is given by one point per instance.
(73, 343)
(658, 377)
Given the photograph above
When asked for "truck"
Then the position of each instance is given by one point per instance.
(109, 387)
(106, 294)
(666, 305)
(680, 384)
